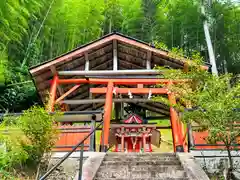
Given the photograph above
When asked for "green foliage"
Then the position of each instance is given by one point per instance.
(160, 45)
(70, 24)
(17, 97)
(226, 34)
(27, 40)
(39, 128)
(3, 63)
(26, 139)
(214, 102)
(131, 17)
(12, 152)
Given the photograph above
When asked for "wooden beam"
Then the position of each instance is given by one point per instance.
(86, 61)
(121, 81)
(132, 90)
(115, 57)
(59, 88)
(90, 101)
(149, 57)
(54, 72)
(126, 77)
(104, 72)
(78, 118)
(67, 93)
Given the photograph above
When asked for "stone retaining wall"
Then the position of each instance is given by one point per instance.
(215, 161)
(69, 168)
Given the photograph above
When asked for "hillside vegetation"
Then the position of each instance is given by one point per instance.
(33, 31)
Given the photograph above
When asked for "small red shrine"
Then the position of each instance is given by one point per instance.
(134, 136)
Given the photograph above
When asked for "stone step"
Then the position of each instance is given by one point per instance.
(140, 162)
(157, 168)
(139, 158)
(141, 179)
(125, 174)
(133, 154)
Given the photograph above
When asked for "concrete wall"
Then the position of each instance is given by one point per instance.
(215, 160)
(69, 168)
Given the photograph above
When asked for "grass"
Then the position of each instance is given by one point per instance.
(166, 136)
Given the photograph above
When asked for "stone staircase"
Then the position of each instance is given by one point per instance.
(146, 166)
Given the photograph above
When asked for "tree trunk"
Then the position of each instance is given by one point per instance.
(230, 169)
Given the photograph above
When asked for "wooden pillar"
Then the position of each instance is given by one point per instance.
(149, 57)
(182, 133)
(86, 61)
(122, 143)
(121, 108)
(144, 143)
(140, 144)
(53, 91)
(107, 115)
(176, 132)
(117, 108)
(93, 136)
(115, 59)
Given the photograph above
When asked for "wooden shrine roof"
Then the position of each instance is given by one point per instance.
(131, 54)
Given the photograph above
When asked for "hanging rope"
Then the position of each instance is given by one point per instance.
(30, 44)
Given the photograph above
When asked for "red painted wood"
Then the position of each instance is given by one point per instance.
(132, 90)
(201, 138)
(53, 92)
(107, 112)
(69, 138)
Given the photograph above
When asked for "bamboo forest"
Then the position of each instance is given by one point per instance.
(34, 31)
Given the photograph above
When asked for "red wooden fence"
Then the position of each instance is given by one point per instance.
(70, 136)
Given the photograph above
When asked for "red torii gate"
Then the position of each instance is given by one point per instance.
(177, 125)
(91, 63)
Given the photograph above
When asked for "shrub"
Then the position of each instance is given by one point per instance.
(39, 128)
(26, 139)
(12, 153)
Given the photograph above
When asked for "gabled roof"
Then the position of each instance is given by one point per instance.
(133, 119)
(140, 48)
(131, 54)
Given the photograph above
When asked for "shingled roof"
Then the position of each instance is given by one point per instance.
(131, 54)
